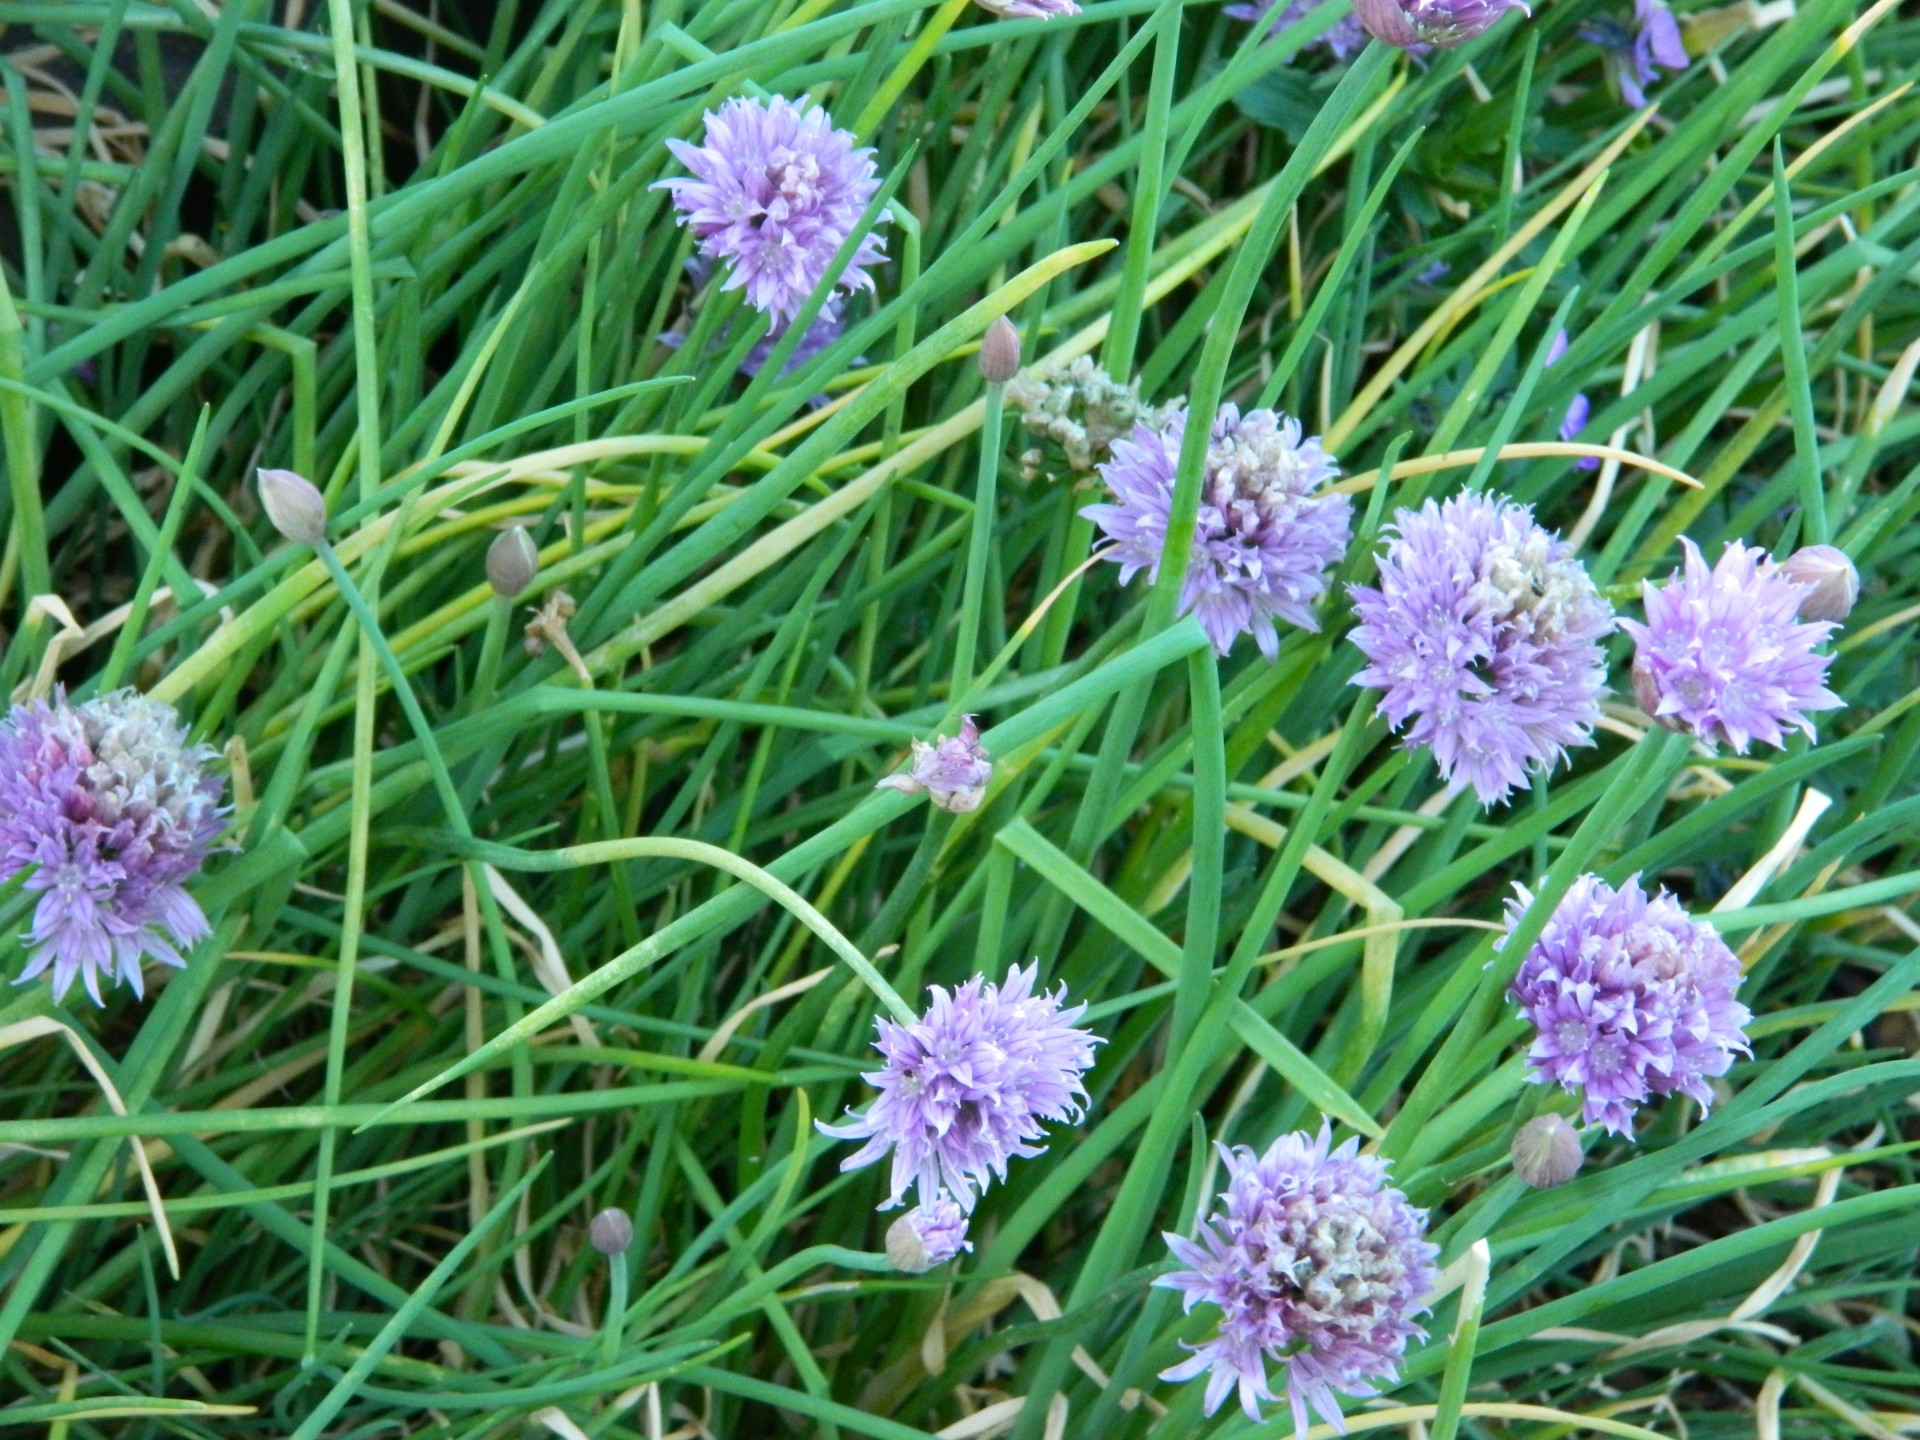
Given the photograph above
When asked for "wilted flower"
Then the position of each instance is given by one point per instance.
(1344, 38)
(965, 1087)
(1442, 24)
(927, 1235)
(1316, 1264)
(775, 191)
(1081, 409)
(1546, 1152)
(1630, 998)
(116, 810)
(1485, 634)
(1829, 584)
(1723, 654)
(953, 774)
(1029, 9)
(1635, 55)
(1268, 530)
(295, 506)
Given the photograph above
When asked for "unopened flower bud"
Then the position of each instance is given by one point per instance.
(512, 560)
(611, 1233)
(1000, 352)
(1546, 1152)
(296, 508)
(926, 1236)
(1827, 576)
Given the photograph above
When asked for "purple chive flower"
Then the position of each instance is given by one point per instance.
(1267, 533)
(1029, 9)
(1723, 654)
(953, 774)
(1630, 998)
(1635, 56)
(928, 1235)
(1316, 1264)
(776, 191)
(1485, 635)
(965, 1087)
(1442, 24)
(1343, 39)
(1575, 420)
(116, 810)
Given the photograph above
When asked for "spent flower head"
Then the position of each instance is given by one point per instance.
(1316, 1264)
(1441, 24)
(116, 810)
(1081, 409)
(953, 774)
(965, 1087)
(1268, 532)
(1630, 999)
(1723, 654)
(1484, 641)
(775, 191)
(928, 1235)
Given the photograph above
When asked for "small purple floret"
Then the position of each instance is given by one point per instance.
(1268, 532)
(1316, 1264)
(1723, 654)
(965, 1087)
(928, 1235)
(117, 811)
(1636, 57)
(1630, 999)
(1029, 9)
(1442, 24)
(775, 191)
(1484, 641)
(1342, 40)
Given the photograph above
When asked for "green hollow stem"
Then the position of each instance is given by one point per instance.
(979, 547)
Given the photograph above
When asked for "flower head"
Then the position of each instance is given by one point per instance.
(116, 810)
(776, 191)
(1636, 54)
(1343, 39)
(1630, 998)
(1081, 409)
(1317, 1264)
(1442, 24)
(1267, 533)
(928, 1235)
(953, 774)
(1723, 654)
(295, 506)
(965, 1087)
(1484, 639)
(1029, 9)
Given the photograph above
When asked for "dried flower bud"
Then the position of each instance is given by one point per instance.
(927, 1235)
(1828, 576)
(611, 1233)
(512, 561)
(1000, 352)
(1546, 1152)
(297, 509)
